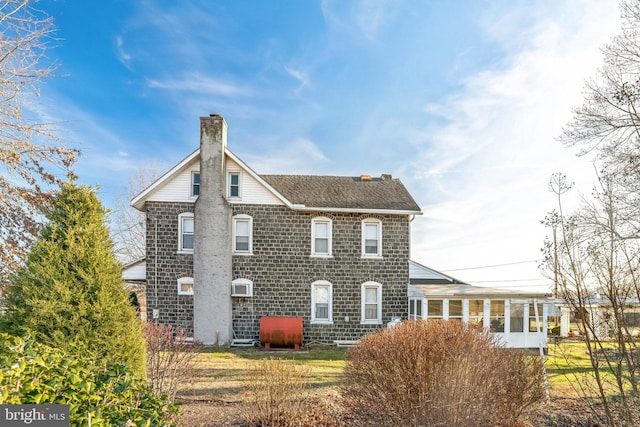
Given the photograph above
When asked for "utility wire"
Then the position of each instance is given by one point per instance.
(491, 266)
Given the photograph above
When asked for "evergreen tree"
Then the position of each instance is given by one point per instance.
(70, 291)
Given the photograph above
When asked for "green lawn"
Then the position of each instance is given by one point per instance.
(219, 371)
(570, 372)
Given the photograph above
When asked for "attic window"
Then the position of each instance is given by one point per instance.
(195, 183)
(234, 185)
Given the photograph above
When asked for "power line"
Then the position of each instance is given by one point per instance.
(508, 280)
(491, 266)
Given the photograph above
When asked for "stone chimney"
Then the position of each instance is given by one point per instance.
(212, 268)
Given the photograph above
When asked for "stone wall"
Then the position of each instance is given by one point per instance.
(165, 266)
(282, 270)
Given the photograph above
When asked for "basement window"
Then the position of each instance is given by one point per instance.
(242, 288)
(185, 286)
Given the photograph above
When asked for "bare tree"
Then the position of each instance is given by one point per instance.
(127, 223)
(32, 159)
(596, 260)
(608, 121)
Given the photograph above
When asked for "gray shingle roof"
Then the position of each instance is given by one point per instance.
(384, 193)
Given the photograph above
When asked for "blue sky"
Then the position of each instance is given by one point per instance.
(461, 100)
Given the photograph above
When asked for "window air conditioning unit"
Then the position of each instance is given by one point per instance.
(242, 288)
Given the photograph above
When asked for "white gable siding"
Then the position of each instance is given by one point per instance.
(252, 191)
(178, 188)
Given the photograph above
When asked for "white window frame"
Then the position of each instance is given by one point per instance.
(181, 218)
(193, 184)
(378, 224)
(430, 315)
(322, 284)
(449, 316)
(246, 282)
(414, 303)
(314, 222)
(477, 319)
(363, 289)
(236, 220)
(501, 315)
(185, 281)
(229, 175)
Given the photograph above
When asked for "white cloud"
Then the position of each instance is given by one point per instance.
(200, 84)
(372, 15)
(369, 17)
(301, 76)
(486, 159)
(122, 55)
(297, 157)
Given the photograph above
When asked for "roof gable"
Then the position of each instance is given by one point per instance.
(384, 195)
(421, 274)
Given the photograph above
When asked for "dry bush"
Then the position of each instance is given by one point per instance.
(170, 358)
(278, 393)
(438, 373)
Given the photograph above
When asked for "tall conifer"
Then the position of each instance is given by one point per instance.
(70, 290)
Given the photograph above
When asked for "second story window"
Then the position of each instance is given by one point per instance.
(195, 183)
(234, 185)
(321, 237)
(371, 238)
(242, 234)
(185, 232)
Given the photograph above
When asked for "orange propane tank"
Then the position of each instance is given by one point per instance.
(281, 331)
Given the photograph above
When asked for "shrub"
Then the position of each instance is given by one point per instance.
(170, 358)
(279, 393)
(438, 373)
(99, 393)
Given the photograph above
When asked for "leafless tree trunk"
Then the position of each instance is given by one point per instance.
(596, 260)
(127, 223)
(32, 159)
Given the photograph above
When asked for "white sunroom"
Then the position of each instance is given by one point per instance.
(517, 318)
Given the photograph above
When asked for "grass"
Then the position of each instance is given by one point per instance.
(570, 372)
(216, 395)
(219, 371)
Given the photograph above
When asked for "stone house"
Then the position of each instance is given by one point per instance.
(227, 246)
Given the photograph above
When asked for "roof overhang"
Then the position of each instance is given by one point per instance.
(139, 201)
(470, 291)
